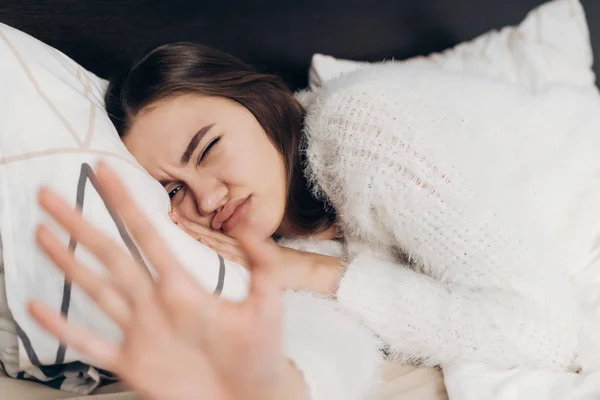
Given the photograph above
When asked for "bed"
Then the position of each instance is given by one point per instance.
(277, 37)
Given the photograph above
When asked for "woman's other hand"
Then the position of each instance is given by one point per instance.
(179, 341)
(228, 247)
(298, 270)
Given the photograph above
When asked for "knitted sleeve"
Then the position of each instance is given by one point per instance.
(420, 164)
(338, 356)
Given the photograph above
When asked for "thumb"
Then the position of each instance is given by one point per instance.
(263, 260)
(174, 215)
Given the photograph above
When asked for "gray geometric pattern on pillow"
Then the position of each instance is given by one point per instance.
(74, 376)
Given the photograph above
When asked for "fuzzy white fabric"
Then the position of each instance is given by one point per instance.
(491, 191)
(475, 381)
(52, 127)
(552, 44)
(339, 358)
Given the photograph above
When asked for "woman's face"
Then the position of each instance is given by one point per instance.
(215, 161)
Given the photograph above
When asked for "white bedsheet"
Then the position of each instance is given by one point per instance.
(481, 382)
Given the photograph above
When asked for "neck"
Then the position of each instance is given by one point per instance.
(286, 230)
(328, 234)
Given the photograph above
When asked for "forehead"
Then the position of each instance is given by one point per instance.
(179, 113)
(183, 109)
(162, 131)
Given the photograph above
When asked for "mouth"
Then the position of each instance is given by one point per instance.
(234, 212)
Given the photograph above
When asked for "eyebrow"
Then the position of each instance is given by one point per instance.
(191, 147)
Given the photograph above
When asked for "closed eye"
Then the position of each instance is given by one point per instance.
(207, 150)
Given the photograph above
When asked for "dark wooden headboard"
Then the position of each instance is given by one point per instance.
(277, 36)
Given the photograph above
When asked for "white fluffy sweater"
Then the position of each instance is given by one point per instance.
(464, 203)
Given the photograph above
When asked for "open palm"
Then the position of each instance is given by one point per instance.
(180, 342)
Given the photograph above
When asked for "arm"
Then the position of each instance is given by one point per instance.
(264, 347)
(330, 355)
(488, 285)
(444, 323)
(336, 355)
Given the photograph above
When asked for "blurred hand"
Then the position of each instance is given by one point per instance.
(179, 341)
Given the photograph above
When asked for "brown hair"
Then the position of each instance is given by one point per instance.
(180, 68)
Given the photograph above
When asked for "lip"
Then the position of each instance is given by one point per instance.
(231, 215)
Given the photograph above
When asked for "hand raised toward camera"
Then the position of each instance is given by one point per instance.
(179, 341)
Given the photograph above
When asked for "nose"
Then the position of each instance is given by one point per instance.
(210, 195)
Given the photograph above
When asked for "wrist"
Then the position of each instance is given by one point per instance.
(302, 270)
(292, 385)
(327, 272)
(319, 273)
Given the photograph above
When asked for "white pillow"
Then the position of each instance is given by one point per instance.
(52, 128)
(552, 44)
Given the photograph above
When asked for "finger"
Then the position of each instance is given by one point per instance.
(205, 231)
(233, 257)
(100, 245)
(213, 244)
(217, 235)
(188, 232)
(221, 246)
(225, 241)
(193, 226)
(197, 230)
(175, 217)
(101, 352)
(262, 261)
(96, 286)
(225, 250)
(142, 230)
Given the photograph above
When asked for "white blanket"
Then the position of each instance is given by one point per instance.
(481, 382)
(562, 23)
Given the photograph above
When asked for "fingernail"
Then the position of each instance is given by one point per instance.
(99, 166)
(41, 233)
(103, 170)
(42, 193)
(48, 199)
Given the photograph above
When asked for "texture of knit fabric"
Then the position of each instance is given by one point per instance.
(473, 183)
(338, 356)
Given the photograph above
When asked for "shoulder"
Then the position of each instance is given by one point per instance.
(346, 127)
(379, 98)
(357, 87)
(355, 112)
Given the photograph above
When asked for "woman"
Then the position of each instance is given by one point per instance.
(431, 263)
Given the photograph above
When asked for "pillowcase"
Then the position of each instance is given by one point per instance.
(552, 44)
(53, 128)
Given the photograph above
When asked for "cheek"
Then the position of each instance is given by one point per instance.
(259, 171)
(249, 165)
(188, 211)
(187, 208)
(273, 187)
(235, 168)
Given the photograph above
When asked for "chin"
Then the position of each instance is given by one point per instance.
(257, 225)
(261, 231)
(254, 231)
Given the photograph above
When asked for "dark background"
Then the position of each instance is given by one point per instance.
(277, 36)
